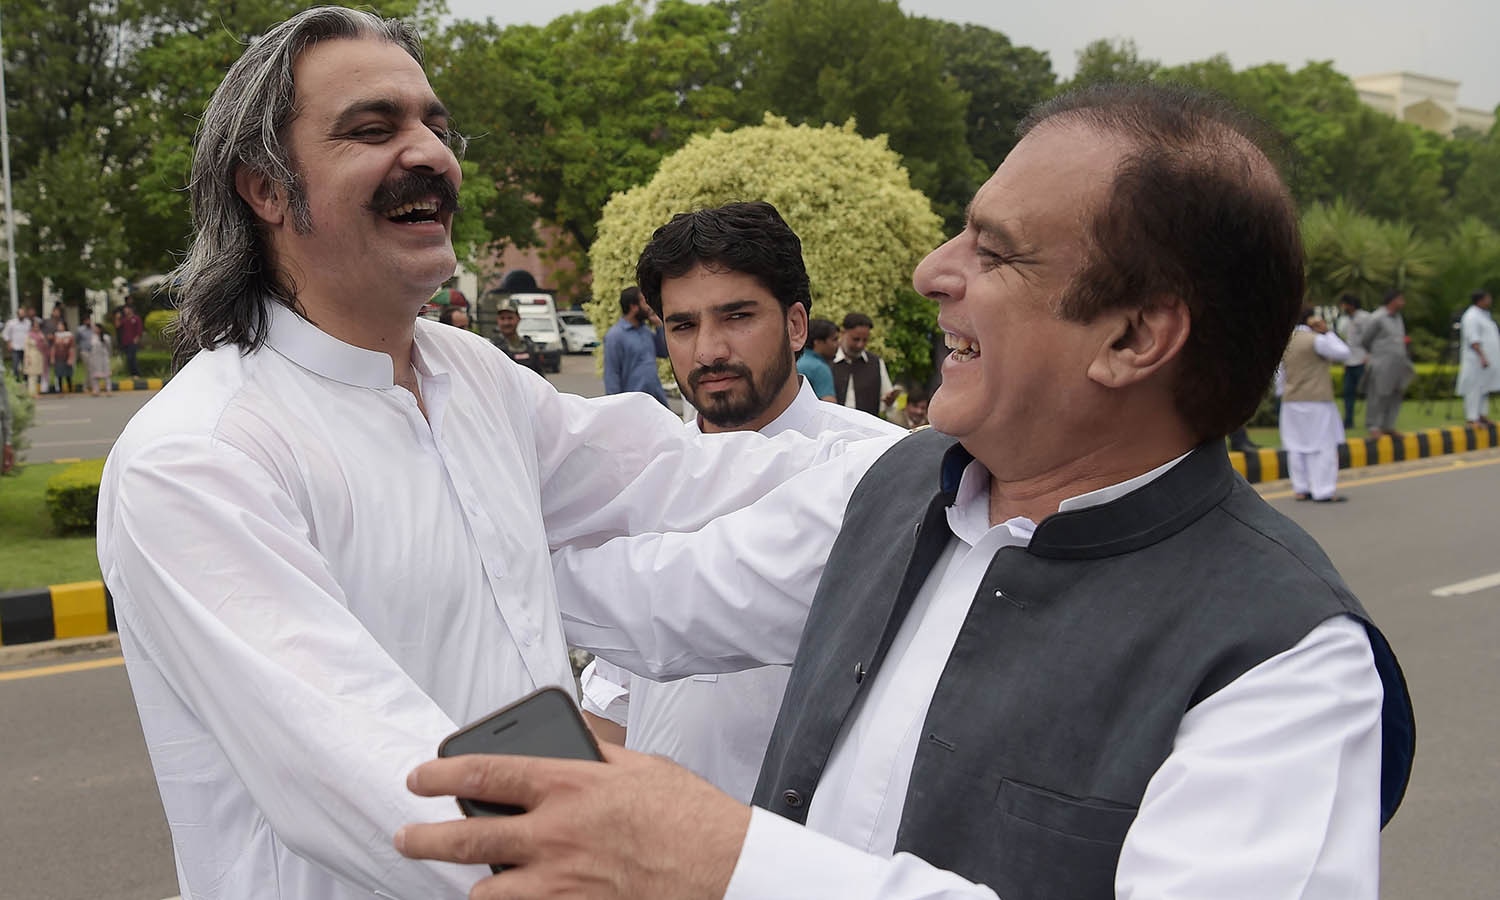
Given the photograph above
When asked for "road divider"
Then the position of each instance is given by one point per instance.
(56, 612)
(1269, 464)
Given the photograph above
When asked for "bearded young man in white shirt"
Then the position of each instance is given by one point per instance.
(1058, 648)
(730, 286)
(327, 538)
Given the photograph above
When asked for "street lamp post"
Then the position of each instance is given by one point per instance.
(10, 216)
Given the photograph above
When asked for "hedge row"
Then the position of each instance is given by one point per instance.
(73, 496)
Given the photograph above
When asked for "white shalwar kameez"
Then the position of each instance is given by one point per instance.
(1311, 431)
(315, 583)
(1475, 380)
(716, 724)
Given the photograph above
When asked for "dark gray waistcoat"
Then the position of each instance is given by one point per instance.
(1078, 658)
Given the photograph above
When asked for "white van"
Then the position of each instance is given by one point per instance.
(539, 322)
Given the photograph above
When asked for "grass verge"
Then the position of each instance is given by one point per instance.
(31, 554)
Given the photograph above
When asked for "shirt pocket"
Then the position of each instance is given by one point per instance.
(1059, 845)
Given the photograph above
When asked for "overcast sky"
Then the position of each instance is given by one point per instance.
(1453, 39)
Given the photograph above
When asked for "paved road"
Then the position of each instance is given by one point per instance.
(78, 426)
(81, 819)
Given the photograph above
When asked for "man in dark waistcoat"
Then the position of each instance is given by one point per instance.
(1058, 648)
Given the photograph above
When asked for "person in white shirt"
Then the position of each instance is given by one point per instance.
(730, 286)
(1057, 648)
(1352, 318)
(328, 537)
(16, 332)
(1311, 430)
(1479, 358)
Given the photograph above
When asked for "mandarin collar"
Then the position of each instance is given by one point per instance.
(1147, 515)
(319, 352)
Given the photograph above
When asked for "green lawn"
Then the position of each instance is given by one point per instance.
(1415, 416)
(31, 555)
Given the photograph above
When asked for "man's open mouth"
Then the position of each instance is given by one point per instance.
(963, 348)
(410, 213)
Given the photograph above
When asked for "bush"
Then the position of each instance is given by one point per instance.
(153, 363)
(863, 226)
(22, 414)
(160, 325)
(73, 496)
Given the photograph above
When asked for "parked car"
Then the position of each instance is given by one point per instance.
(578, 334)
(544, 330)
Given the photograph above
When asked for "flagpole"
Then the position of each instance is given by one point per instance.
(10, 216)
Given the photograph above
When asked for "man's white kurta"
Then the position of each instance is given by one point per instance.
(315, 584)
(1478, 327)
(717, 725)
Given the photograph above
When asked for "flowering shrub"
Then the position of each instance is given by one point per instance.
(863, 226)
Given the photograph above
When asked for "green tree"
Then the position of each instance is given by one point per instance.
(1476, 191)
(1349, 251)
(563, 115)
(1467, 259)
(1111, 61)
(863, 227)
(1003, 82)
(827, 61)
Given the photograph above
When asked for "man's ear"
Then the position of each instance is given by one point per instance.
(796, 326)
(262, 193)
(1139, 342)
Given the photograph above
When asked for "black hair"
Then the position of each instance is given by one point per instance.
(630, 298)
(820, 330)
(1198, 214)
(857, 320)
(751, 238)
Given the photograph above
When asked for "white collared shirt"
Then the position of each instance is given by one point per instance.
(315, 584)
(717, 725)
(1292, 746)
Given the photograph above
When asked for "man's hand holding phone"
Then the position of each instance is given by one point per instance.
(632, 826)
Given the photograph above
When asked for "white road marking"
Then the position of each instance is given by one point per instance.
(1468, 587)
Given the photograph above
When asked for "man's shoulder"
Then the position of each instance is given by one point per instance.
(837, 417)
(193, 403)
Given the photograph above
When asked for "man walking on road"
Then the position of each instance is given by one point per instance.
(631, 347)
(1479, 360)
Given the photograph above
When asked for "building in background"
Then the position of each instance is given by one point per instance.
(1423, 100)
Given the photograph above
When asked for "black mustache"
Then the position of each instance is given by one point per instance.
(702, 372)
(413, 187)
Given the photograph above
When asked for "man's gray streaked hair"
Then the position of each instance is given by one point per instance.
(225, 283)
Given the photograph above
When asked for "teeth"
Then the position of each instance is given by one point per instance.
(423, 205)
(959, 344)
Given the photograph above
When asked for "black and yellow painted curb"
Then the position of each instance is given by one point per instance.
(1269, 464)
(137, 384)
(83, 609)
(124, 384)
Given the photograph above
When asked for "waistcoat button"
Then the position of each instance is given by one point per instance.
(859, 672)
(792, 799)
